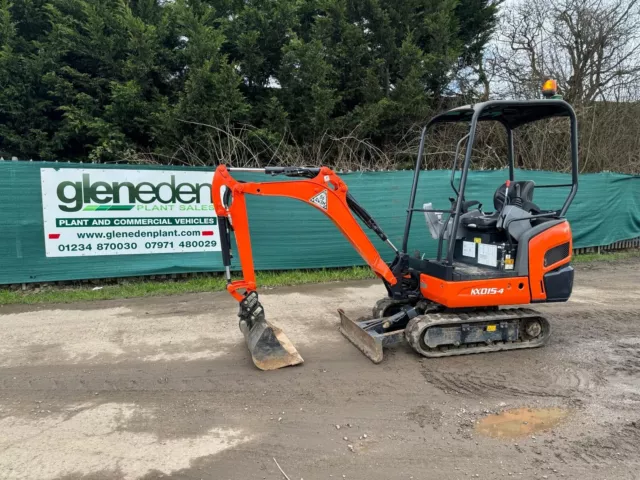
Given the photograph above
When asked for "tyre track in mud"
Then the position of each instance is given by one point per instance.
(566, 384)
(588, 350)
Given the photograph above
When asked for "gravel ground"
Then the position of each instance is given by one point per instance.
(165, 388)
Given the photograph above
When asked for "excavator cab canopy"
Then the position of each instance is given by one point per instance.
(511, 114)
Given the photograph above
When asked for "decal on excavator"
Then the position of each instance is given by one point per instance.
(487, 291)
(320, 199)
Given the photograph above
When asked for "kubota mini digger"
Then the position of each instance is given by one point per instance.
(515, 255)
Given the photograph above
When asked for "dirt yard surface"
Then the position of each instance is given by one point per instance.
(165, 388)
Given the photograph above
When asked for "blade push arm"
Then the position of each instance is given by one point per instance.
(320, 188)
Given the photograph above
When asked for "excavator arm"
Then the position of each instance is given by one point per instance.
(322, 189)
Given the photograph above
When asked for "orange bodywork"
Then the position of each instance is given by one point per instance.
(334, 205)
(476, 293)
(538, 247)
(503, 291)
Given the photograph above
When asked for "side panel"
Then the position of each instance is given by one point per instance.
(538, 248)
(476, 293)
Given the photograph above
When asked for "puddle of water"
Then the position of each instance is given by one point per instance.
(520, 422)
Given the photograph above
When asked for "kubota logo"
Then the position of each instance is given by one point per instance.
(487, 291)
(123, 195)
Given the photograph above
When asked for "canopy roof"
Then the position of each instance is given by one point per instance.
(510, 113)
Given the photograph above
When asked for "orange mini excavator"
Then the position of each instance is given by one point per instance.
(515, 255)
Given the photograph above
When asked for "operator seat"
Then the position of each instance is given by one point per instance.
(522, 190)
(520, 194)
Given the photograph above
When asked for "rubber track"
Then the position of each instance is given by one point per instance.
(416, 328)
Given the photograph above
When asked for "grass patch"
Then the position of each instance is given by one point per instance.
(151, 288)
(605, 257)
(215, 283)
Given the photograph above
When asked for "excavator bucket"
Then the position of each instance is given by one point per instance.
(269, 347)
(368, 335)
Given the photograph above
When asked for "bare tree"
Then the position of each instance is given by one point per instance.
(591, 47)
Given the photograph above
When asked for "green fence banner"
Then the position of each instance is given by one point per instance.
(62, 221)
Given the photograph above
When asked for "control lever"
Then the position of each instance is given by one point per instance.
(506, 193)
(506, 199)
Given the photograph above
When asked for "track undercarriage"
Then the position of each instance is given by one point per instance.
(432, 330)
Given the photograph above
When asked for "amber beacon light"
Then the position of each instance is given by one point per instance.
(549, 88)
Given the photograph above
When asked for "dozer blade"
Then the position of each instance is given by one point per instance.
(269, 346)
(366, 338)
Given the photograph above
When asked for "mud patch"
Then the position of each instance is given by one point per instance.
(520, 422)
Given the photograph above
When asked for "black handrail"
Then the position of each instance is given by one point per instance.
(510, 152)
(455, 163)
(463, 186)
(554, 186)
(429, 210)
(414, 188)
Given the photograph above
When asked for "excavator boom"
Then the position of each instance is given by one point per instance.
(322, 189)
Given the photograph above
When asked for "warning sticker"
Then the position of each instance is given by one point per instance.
(469, 249)
(320, 199)
(488, 254)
